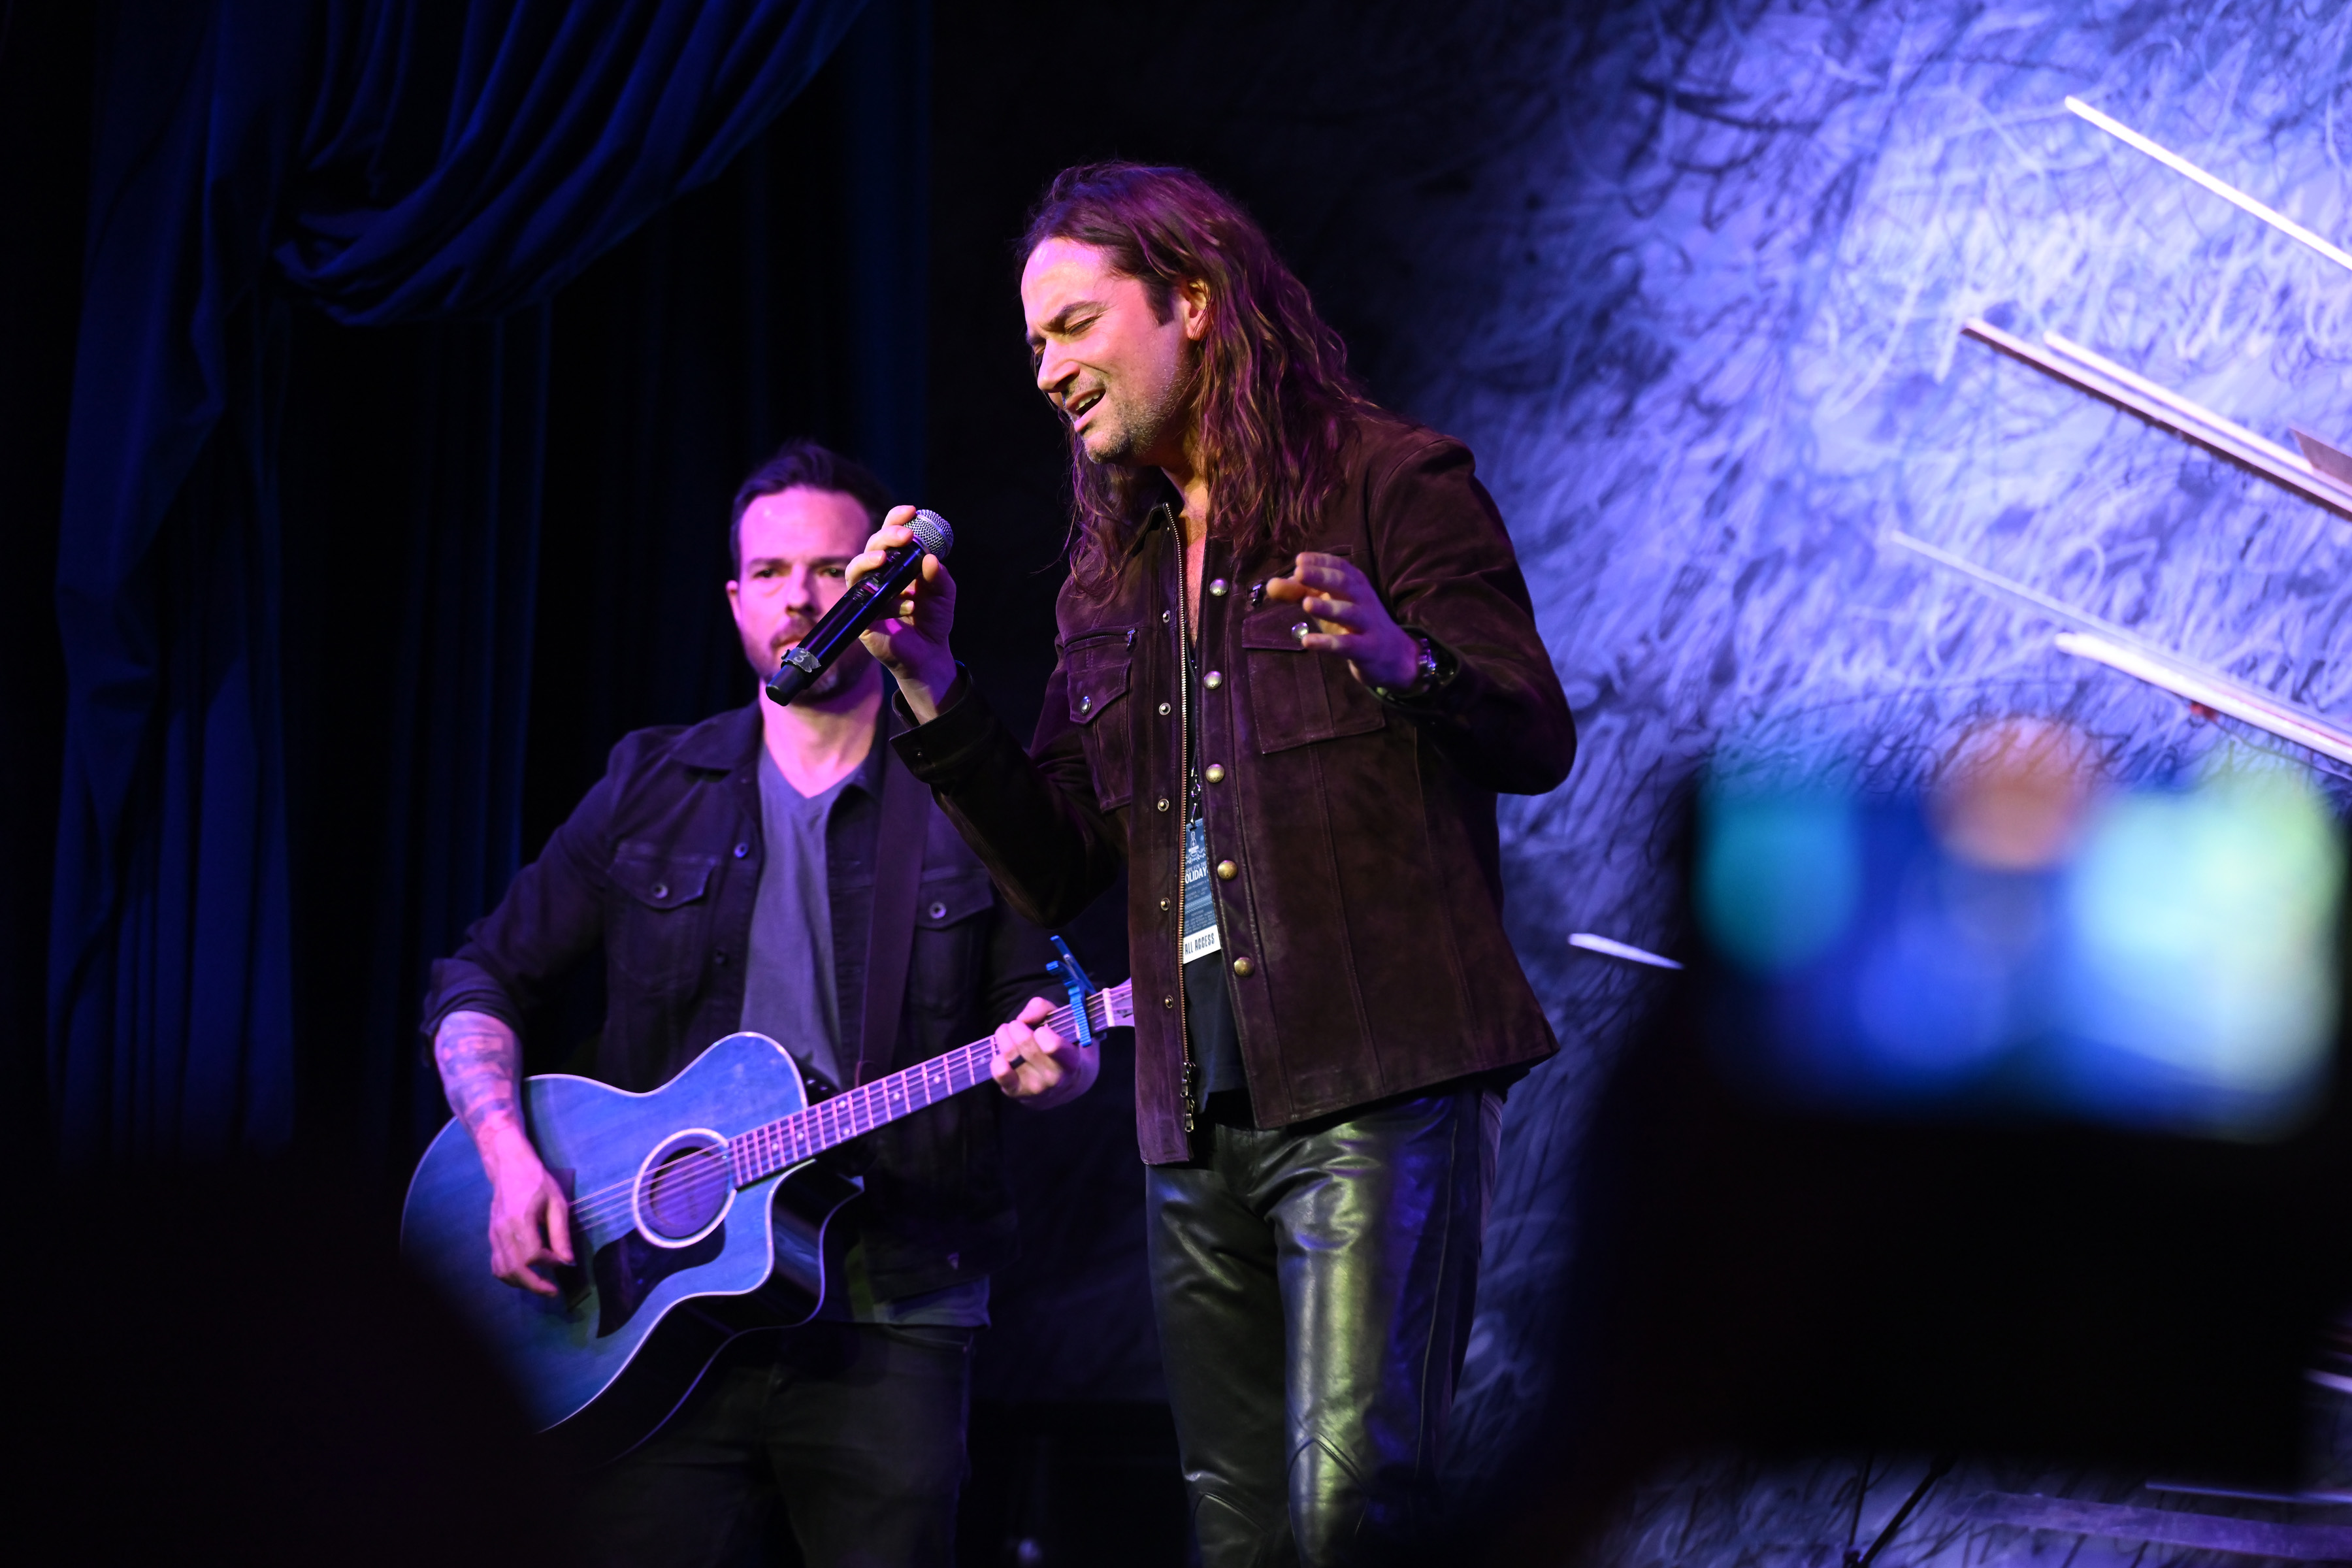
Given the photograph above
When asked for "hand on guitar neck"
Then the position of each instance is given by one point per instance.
(1037, 1068)
(530, 1223)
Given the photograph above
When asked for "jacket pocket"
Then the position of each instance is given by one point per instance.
(1096, 667)
(1296, 697)
(943, 973)
(660, 917)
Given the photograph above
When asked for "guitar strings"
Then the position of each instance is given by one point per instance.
(831, 1122)
(714, 1166)
(828, 1124)
(816, 1128)
(838, 1116)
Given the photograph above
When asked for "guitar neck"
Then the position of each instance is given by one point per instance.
(762, 1151)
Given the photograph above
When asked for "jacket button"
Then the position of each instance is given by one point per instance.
(1212, 680)
(719, 959)
(1167, 1001)
(1163, 617)
(1163, 802)
(939, 912)
(1164, 710)
(1300, 631)
(1214, 773)
(1084, 703)
(1227, 870)
(1244, 968)
(661, 891)
(741, 850)
(1163, 904)
(1217, 586)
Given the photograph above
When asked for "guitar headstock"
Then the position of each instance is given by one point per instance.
(1119, 1005)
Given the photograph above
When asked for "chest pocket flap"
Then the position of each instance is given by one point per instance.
(661, 878)
(945, 901)
(1296, 697)
(1096, 666)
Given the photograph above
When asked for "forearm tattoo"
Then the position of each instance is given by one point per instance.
(480, 1066)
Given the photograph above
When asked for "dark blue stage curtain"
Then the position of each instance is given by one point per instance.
(378, 162)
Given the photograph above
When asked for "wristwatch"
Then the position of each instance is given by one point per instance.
(1429, 673)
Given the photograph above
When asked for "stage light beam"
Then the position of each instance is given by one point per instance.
(2219, 186)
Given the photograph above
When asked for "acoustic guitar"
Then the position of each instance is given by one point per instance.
(698, 1213)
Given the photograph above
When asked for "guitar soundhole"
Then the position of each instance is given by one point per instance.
(684, 1188)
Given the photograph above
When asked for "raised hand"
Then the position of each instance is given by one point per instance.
(912, 643)
(1349, 620)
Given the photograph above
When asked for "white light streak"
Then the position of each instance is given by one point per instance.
(2111, 645)
(2231, 699)
(2220, 187)
(2175, 402)
(2079, 367)
(1614, 948)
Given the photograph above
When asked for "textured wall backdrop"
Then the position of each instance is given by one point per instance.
(1695, 301)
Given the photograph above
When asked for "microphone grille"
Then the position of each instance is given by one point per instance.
(932, 532)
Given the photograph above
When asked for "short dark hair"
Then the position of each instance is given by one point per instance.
(806, 463)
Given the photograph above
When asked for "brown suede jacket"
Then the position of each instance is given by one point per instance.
(1360, 891)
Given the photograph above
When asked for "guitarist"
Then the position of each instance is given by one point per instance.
(738, 874)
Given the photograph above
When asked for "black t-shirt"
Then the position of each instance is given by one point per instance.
(1209, 1017)
(1208, 1004)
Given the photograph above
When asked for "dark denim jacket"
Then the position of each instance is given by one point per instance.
(660, 864)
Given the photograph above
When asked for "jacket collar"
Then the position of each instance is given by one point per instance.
(724, 742)
(1158, 517)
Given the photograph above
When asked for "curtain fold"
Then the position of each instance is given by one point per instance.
(454, 775)
(378, 162)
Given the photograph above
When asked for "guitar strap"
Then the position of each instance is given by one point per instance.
(890, 935)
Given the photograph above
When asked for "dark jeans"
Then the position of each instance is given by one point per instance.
(1314, 1286)
(857, 1429)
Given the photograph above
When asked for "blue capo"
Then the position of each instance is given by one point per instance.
(1073, 979)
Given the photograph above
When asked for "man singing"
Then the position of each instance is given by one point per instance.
(774, 870)
(1297, 662)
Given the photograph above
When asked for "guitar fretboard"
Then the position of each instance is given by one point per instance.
(763, 1151)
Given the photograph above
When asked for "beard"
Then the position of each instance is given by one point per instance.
(847, 668)
(1130, 424)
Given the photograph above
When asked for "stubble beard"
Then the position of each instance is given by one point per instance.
(1151, 422)
(847, 668)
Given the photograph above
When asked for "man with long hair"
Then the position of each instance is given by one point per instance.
(1297, 662)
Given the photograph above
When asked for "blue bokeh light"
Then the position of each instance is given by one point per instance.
(2176, 970)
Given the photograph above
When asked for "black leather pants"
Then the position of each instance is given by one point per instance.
(1314, 1286)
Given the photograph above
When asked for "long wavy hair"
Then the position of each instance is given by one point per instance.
(1272, 399)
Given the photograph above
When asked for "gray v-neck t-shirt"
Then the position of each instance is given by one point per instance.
(793, 984)
(789, 985)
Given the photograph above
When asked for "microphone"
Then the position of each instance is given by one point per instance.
(865, 603)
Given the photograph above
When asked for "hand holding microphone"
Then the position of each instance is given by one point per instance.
(904, 620)
(882, 588)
